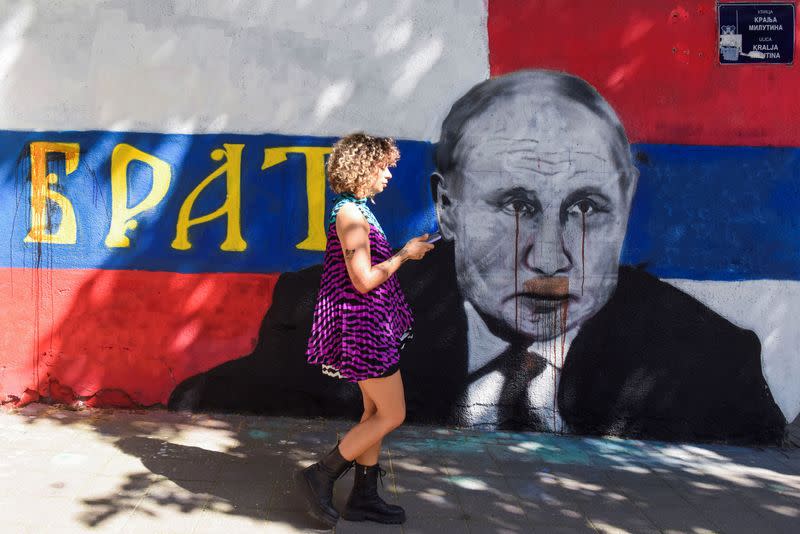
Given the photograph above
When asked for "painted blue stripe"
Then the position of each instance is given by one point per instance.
(704, 213)
(716, 213)
(274, 209)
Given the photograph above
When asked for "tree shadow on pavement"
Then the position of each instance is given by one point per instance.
(214, 472)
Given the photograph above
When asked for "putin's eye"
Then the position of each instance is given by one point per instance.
(515, 206)
(584, 207)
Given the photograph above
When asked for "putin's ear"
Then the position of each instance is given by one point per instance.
(629, 185)
(443, 205)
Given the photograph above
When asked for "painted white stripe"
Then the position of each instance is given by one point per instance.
(771, 309)
(309, 67)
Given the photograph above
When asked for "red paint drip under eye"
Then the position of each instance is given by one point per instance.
(516, 270)
(583, 250)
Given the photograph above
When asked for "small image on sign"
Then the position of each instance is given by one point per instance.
(756, 33)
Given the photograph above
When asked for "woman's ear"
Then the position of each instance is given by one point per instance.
(443, 205)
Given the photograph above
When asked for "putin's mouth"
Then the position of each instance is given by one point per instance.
(551, 288)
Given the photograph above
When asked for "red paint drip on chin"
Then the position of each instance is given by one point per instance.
(554, 320)
(564, 308)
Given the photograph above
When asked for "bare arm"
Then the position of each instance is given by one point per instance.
(353, 232)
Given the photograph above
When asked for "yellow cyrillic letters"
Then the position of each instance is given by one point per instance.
(122, 217)
(231, 207)
(315, 189)
(41, 181)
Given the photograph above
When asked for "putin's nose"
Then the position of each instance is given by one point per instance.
(548, 255)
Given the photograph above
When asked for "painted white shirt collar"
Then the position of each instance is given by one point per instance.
(483, 393)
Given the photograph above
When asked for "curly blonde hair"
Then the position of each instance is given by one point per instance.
(356, 157)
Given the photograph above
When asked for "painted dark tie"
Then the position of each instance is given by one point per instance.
(514, 411)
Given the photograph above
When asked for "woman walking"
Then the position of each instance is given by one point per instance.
(361, 322)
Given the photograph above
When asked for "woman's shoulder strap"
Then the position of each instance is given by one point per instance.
(361, 204)
(341, 200)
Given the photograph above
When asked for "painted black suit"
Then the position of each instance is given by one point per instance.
(652, 363)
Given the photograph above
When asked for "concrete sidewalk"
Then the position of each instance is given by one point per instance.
(157, 471)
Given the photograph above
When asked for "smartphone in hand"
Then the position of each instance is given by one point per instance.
(434, 237)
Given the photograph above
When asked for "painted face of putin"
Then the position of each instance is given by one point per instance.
(535, 191)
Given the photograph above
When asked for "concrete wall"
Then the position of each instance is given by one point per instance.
(301, 68)
(134, 106)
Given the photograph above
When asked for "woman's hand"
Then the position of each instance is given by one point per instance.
(353, 230)
(416, 248)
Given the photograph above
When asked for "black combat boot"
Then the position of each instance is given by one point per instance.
(316, 483)
(364, 503)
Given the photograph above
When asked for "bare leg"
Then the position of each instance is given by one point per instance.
(389, 398)
(370, 456)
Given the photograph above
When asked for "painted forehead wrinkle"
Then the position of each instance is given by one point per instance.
(548, 135)
(509, 156)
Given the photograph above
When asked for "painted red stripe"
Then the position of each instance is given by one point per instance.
(131, 335)
(657, 64)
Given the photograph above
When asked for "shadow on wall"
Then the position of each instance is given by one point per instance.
(525, 317)
(190, 288)
(112, 334)
(191, 322)
(312, 67)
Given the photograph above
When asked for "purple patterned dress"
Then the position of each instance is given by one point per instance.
(357, 336)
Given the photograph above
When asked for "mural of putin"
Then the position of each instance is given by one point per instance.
(534, 188)
(524, 316)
